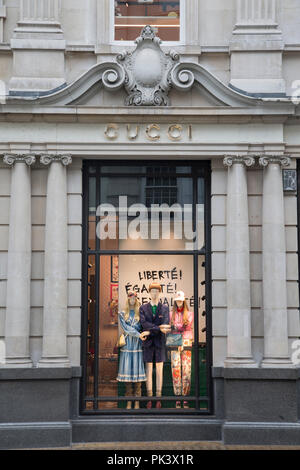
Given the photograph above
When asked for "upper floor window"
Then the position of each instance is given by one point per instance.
(130, 16)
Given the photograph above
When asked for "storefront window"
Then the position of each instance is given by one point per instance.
(133, 262)
(130, 16)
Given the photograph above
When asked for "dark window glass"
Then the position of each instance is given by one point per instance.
(169, 255)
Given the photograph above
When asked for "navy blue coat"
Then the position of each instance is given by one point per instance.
(154, 346)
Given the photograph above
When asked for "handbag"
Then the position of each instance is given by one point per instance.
(121, 341)
(174, 339)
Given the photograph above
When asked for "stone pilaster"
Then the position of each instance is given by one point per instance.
(276, 352)
(43, 12)
(56, 265)
(38, 37)
(237, 264)
(2, 18)
(103, 27)
(17, 319)
(256, 16)
(190, 23)
(256, 48)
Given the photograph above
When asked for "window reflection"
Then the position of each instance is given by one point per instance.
(91, 327)
(132, 15)
(155, 212)
(124, 371)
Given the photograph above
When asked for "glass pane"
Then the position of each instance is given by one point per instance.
(92, 214)
(123, 169)
(90, 353)
(202, 325)
(132, 15)
(202, 300)
(173, 377)
(108, 329)
(175, 368)
(113, 187)
(143, 169)
(200, 214)
(147, 213)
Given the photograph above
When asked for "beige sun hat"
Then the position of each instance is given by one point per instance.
(179, 295)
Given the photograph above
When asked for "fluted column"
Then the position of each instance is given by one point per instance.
(276, 353)
(237, 264)
(17, 319)
(56, 265)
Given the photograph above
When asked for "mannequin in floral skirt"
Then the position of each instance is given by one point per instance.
(181, 357)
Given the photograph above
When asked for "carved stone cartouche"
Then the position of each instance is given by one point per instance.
(147, 71)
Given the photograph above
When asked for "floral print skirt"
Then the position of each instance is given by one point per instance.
(181, 364)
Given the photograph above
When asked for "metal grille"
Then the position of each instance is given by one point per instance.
(161, 186)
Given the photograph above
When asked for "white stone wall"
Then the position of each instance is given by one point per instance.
(219, 191)
(209, 40)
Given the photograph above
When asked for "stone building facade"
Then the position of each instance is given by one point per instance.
(221, 106)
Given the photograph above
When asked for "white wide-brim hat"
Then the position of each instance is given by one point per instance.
(179, 295)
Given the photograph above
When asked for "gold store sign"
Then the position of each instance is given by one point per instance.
(153, 132)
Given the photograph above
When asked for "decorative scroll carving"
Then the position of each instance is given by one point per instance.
(11, 159)
(247, 160)
(282, 160)
(113, 77)
(148, 71)
(182, 78)
(64, 159)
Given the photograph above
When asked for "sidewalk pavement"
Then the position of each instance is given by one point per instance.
(176, 446)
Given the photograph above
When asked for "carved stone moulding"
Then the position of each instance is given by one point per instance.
(11, 159)
(46, 159)
(147, 71)
(283, 160)
(247, 160)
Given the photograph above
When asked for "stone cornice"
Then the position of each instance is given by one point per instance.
(246, 160)
(12, 158)
(48, 159)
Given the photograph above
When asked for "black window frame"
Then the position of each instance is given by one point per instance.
(199, 168)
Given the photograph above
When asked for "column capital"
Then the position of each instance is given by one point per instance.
(48, 159)
(283, 160)
(246, 160)
(11, 159)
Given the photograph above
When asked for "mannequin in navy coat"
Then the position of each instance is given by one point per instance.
(155, 318)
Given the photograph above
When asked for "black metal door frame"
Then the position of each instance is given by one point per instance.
(202, 169)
